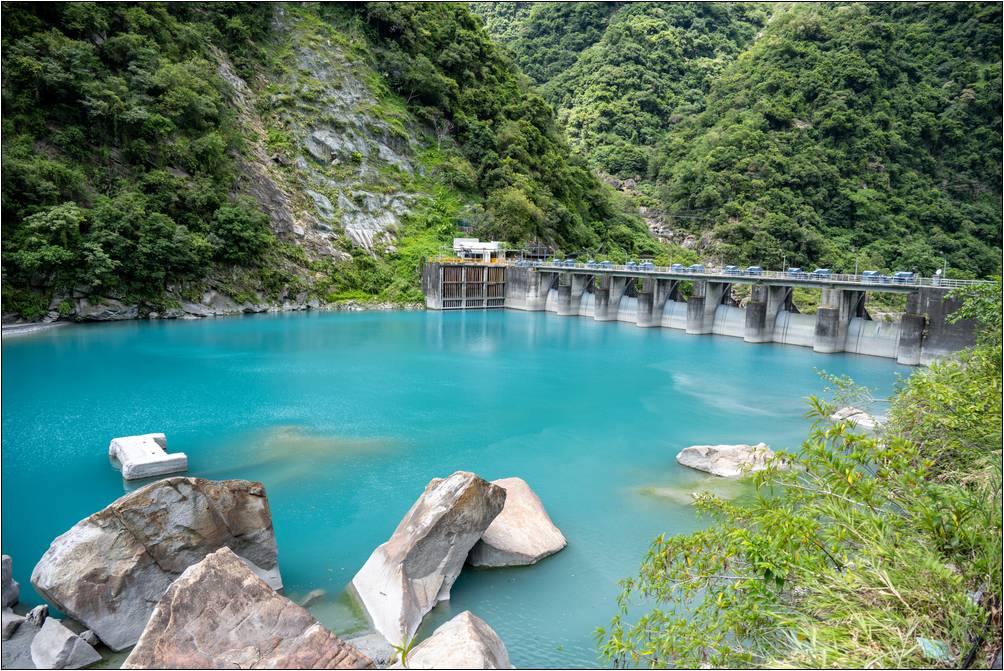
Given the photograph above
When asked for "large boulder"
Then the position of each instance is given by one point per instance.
(409, 574)
(522, 534)
(726, 461)
(9, 589)
(465, 642)
(110, 570)
(856, 417)
(219, 614)
(56, 647)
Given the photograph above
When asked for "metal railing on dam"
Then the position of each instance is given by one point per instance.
(701, 302)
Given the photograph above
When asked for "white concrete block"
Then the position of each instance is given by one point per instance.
(146, 456)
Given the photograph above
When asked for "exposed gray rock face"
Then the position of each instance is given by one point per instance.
(726, 461)
(409, 574)
(11, 621)
(99, 309)
(856, 417)
(522, 534)
(146, 456)
(111, 569)
(37, 615)
(465, 642)
(15, 653)
(56, 647)
(10, 591)
(219, 614)
(89, 637)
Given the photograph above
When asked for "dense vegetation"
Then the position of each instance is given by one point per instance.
(118, 149)
(874, 551)
(621, 77)
(829, 134)
(123, 151)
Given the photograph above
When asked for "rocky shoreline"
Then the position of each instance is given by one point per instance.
(184, 572)
(212, 305)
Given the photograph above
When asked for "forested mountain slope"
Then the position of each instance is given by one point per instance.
(821, 134)
(156, 152)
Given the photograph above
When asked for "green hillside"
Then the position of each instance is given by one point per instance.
(153, 152)
(828, 134)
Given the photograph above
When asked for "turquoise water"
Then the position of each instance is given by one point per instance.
(345, 417)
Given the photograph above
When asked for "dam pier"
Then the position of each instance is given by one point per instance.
(701, 303)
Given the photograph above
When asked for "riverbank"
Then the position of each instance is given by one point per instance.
(213, 305)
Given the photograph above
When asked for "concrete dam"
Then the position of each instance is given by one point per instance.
(653, 298)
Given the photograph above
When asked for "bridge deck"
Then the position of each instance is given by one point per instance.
(766, 277)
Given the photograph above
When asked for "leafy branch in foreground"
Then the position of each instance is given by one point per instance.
(873, 551)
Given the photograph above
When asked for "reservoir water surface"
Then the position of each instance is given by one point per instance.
(345, 417)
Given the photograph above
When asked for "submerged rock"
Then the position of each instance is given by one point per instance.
(465, 642)
(146, 456)
(856, 417)
(522, 534)
(56, 647)
(9, 589)
(110, 569)
(414, 570)
(726, 461)
(219, 614)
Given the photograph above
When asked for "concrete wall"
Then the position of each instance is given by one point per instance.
(791, 328)
(729, 321)
(841, 323)
(674, 315)
(870, 337)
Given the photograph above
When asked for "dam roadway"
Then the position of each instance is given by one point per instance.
(702, 303)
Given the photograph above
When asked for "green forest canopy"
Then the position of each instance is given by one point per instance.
(823, 133)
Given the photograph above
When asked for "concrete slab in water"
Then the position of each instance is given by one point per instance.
(146, 456)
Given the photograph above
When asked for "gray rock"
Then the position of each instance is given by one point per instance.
(323, 204)
(465, 642)
(312, 596)
(374, 646)
(15, 653)
(110, 570)
(11, 621)
(56, 647)
(856, 417)
(37, 616)
(409, 574)
(523, 532)
(100, 309)
(9, 589)
(726, 461)
(219, 614)
(89, 637)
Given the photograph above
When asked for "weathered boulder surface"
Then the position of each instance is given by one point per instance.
(219, 614)
(110, 570)
(56, 647)
(523, 532)
(409, 574)
(11, 621)
(146, 456)
(10, 591)
(726, 461)
(856, 417)
(465, 642)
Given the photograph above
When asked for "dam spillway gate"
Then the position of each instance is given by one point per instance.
(652, 298)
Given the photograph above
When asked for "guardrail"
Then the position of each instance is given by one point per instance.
(720, 274)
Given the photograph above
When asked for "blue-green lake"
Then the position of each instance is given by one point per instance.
(346, 416)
